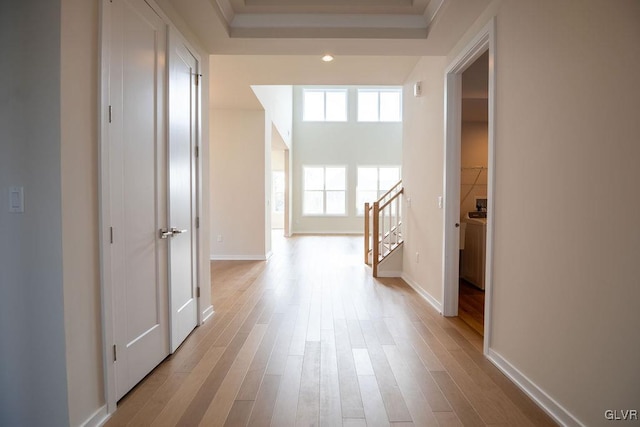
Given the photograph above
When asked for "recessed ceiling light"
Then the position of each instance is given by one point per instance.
(327, 58)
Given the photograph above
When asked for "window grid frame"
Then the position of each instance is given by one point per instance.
(378, 91)
(324, 92)
(324, 190)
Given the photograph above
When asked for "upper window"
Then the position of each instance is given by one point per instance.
(325, 105)
(324, 190)
(379, 105)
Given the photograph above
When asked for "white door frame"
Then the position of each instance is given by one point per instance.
(104, 191)
(484, 40)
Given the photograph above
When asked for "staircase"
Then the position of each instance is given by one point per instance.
(383, 227)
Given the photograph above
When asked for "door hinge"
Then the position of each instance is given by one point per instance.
(197, 222)
(115, 353)
(198, 292)
(198, 79)
(110, 113)
(111, 235)
(197, 151)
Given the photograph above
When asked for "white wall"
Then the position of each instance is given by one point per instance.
(422, 160)
(277, 100)
(238, 170)
(33, 377)
(339, 144)
(79, 106)
(565, 285)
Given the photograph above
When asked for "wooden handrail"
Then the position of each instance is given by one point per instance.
(388, 202)
(390, 191)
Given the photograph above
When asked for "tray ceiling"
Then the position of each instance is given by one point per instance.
(362, 19)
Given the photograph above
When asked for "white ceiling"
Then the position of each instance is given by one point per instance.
(232, 75)
(349, 27)
(279, 42)
(328, 18)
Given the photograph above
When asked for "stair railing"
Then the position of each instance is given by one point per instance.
(383, 226)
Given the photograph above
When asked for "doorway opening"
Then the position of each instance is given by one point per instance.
(474, 146)
(469, 182)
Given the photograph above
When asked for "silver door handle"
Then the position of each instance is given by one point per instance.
(177, 231)
(164, 233)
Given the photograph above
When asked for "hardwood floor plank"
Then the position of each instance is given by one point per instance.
(448, 419)
(207, 392)
(330, 403)
(134, 401)
(416, 402)
(299, 337)
(354, 422)
(159, 400)
(178, 404)
(253, 379)
(285, 410)
(431, 391)
(362, 362)
(393, 400)
(308, 413)
(219, 408)
(280, 353)
(265, 402)
(349, 388)
(355, 334)
(374, 410)
(239, 414)
(463, 409)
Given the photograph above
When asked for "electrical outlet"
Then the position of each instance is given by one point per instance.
(417, 257)
(439, 202)
(219, 238)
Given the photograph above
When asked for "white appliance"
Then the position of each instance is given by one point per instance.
(474, 254)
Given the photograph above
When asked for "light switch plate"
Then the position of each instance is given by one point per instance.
(16, 199)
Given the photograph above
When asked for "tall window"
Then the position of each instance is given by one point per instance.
(324, 190)
(278, 191)
(325, 105)
(379, 105)
(373, 182)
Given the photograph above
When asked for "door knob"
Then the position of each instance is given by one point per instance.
(164, 233)
(457, 224)
(174, 230)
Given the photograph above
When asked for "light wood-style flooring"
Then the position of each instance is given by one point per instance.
(471, 306)
(310, 338)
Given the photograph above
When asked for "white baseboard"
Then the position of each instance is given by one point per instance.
(206, 314)
(237, 257)
(542, 399)
(389, 273)
(269, 255)
(424, 294)
(98, 418)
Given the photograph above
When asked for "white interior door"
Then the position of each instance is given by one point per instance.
(183, 114)
(137, 173)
